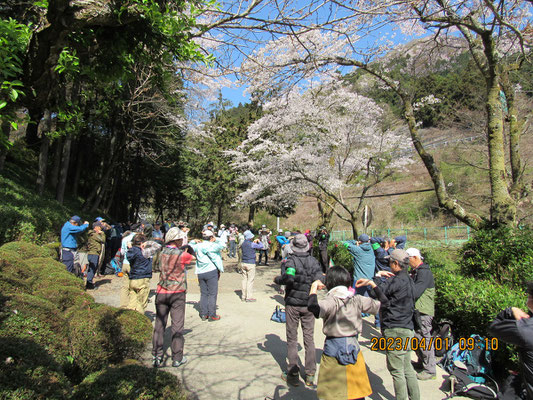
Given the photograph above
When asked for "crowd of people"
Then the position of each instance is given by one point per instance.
(388, 281)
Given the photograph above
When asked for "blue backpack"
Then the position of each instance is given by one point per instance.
(278, 315)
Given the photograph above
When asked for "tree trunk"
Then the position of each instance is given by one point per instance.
(54, 178)
(62, 184)
(251, 215)
(326, 213)
(219, 215)
(77, 173)
(515, 131)
(46, 127)
(6, 130)
(503, 208)
(353, 223)
(32, 129)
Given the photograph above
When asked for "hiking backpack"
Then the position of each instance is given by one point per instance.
(470, 370)
(443, 330)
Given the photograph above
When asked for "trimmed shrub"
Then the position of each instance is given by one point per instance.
(502, 255)
(65, 296)
(35, 319)
(340, 255)
(102, 335)
(129, 382)
(28, 250)
(15, 274)
(51, 272)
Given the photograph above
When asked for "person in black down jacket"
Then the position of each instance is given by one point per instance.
(515, 326)
(298, 273)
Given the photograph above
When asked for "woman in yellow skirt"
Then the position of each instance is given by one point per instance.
(342, 366)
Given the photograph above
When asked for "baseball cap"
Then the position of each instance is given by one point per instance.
(207, 233)
(399, 255)
(76, 219)
(414, 252)
(99, 219)
(364, 238)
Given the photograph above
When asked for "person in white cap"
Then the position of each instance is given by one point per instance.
(424, 292)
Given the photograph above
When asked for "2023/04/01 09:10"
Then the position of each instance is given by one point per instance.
(432, 343)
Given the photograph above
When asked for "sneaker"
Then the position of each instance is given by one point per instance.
(309, 380)
(215, 318)
(203, 317)
(251, 300)
(425, 376)
(157, 361)
(290, 378)
(177, 363)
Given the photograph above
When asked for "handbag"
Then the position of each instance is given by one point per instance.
(278, 315)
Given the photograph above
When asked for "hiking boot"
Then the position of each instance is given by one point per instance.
(309, 380)
(215, 318)
(157, 361)
(177, 363)
(425, 376)
(291, 379)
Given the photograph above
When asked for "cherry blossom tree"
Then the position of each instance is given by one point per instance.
(295, 41)
(322, 142)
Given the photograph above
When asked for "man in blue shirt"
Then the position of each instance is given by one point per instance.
(69, 244)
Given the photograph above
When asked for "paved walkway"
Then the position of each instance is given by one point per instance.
(242, 355)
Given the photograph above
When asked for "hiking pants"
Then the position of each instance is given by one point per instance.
(139, 291)
(208, 293)
(232, 248)
(125, 289)
(426, 356)
(93, 265)
(173, 304)
(400, 367)
(67, 258)
(248, 275)
(293, 315)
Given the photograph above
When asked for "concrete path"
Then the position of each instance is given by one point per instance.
(243, 355)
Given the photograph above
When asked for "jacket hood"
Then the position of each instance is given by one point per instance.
(366, 246)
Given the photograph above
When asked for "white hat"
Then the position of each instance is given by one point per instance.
(207, 233)
(222, 225)
(414, 253)
(175, 234)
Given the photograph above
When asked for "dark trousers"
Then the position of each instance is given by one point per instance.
(208, 293)
(261, 252)
(173, 304)
(93, 265)
(67, 258)
(324, 260)
(295, 314)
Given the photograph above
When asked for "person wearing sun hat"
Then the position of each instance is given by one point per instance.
(170, 297)
(298, 273)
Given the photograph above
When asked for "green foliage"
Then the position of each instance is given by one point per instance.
(113, 335)
(14, 39)
(27, 250)
(340, 255)
(414, 208)
(129, 382)
(472, 304)
(25, 214)
(503, 256)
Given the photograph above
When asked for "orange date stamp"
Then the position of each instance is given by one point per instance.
(409, 343)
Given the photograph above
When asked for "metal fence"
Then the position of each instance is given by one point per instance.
(447, 235)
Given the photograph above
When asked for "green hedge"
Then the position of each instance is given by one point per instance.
(129, 382)
(54, 334)
(340, 255)
(502, 255)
